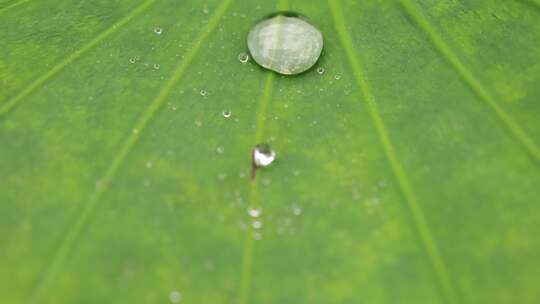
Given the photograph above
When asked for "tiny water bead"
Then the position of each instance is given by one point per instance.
(203, 93)
(227, 113)
(263, 155)
(175, 296)
(158, 30)
(320, 70)
(254, 212)
(256, 224)
(285, 43)
(157, 66)
(243, 57)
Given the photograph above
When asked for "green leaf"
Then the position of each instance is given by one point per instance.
(407, 173)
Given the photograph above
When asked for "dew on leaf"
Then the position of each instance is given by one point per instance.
(263, 155)
(254, 212)
(175, 296)
(243, 57)
(158, 30)
(256, 224)
(227, 113)
(285, 43)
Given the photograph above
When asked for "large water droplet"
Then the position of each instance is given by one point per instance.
(285, 43)
(263, 155)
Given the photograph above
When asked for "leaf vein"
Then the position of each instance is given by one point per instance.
(470, 79)
(420, 223)
(37, 83)
(118, 159)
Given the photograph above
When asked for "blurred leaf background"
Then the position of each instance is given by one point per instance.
(406, 173)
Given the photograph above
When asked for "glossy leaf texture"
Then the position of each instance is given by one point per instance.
(407, 172)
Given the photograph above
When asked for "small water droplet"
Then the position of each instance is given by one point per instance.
(203, 93)
(175, 296)
(133, 59)
(320, 70)
(296, 210)
(263, 155)
(227, 113)
(158, 30)
(337, 77)
(156, 66)
(243, 57)
(220, 150)
(256, 224)
(285, 43)
(254, 212)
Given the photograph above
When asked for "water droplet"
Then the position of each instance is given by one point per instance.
(296, 210)
(243, 57)
(133, 59)
(227, 113)
(220, 150)
(203, 93)
(337, 77)
(285, 43)
(158, 30)
(320, 70)
(254, 212)
(263, 155)
(256, 224)
(175, 296)
(156, 66)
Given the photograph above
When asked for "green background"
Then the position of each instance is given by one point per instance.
(414, 158)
